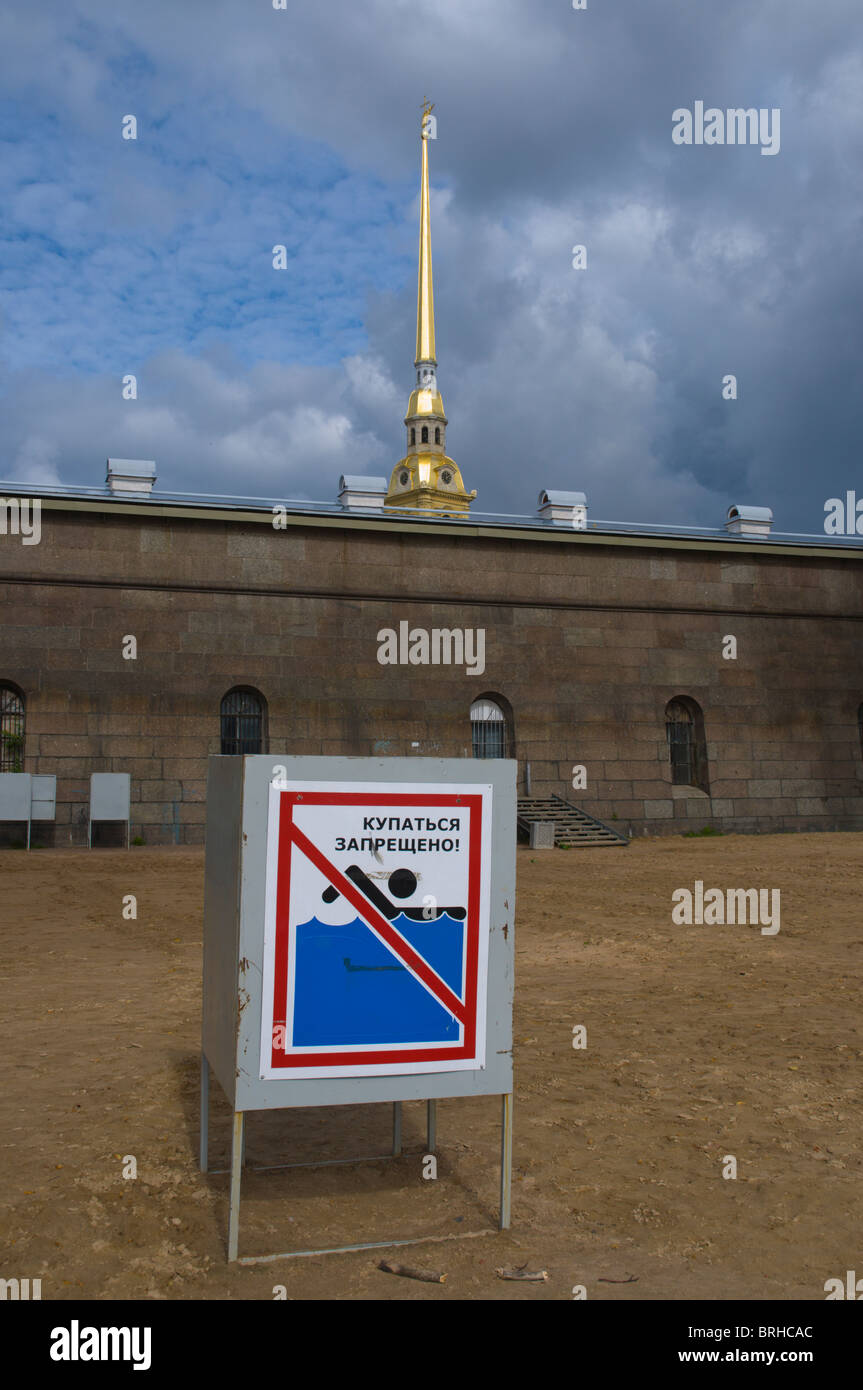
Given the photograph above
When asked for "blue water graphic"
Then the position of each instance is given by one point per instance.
(350, 989)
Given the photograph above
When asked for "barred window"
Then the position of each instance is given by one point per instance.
(11, 729)
(244, 721)
(488, 727)
(687, 750)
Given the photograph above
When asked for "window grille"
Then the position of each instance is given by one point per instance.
(488, 730)
(243, 722)
(11, 730)
(687, 748)
(680, 732)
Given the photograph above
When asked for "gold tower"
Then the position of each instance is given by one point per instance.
(425, 477)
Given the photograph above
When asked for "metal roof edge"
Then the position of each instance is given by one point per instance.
(527, 528)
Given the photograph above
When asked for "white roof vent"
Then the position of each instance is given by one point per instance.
(358, 494)
(749, 521)
(563, 508)
(133, 477)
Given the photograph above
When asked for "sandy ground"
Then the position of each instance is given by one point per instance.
(702, 1042)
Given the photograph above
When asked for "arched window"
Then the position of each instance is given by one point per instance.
(425, 434)
(11, 729)
(413, 436)
(437, 434)
(244, 721)
(684, 730)
(489, 727)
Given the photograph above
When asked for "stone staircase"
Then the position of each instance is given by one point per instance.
(571, 825)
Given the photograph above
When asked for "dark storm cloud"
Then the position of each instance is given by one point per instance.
(554, 129)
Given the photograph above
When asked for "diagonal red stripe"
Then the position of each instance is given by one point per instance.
(381, 926)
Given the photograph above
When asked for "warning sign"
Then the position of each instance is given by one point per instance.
(376, 934)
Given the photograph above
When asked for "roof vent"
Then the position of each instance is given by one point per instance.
(362, 494)
(749, 521)
(134, 477)
(564, 509)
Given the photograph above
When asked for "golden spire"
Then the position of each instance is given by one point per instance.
(426, 479)
(425, 287)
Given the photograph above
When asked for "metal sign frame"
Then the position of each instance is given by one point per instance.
(34, 794)
(111, 799)
(239, 798)
(43, 803)
(16, 798)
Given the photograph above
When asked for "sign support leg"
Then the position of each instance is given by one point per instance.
(397, 1128)
(236, 1174)
(506, 1162)
(204, 1154)
(431, 1126)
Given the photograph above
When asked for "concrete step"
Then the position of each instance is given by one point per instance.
(572, 825)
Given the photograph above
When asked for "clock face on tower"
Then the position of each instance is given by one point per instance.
(446, 477)
(404, 478)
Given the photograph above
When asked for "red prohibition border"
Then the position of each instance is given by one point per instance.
(292, 839)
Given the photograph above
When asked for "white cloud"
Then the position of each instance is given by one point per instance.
(35, 462)
(257, 127)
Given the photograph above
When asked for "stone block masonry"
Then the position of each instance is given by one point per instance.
(587, 639)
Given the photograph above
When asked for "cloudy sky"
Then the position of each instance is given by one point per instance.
(299, 126)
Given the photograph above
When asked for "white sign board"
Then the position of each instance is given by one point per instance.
(15, 796)
(109, 795)
(376, 929)
(44, 798)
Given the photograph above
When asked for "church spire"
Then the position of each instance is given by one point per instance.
(425, 286)
(425, 478)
